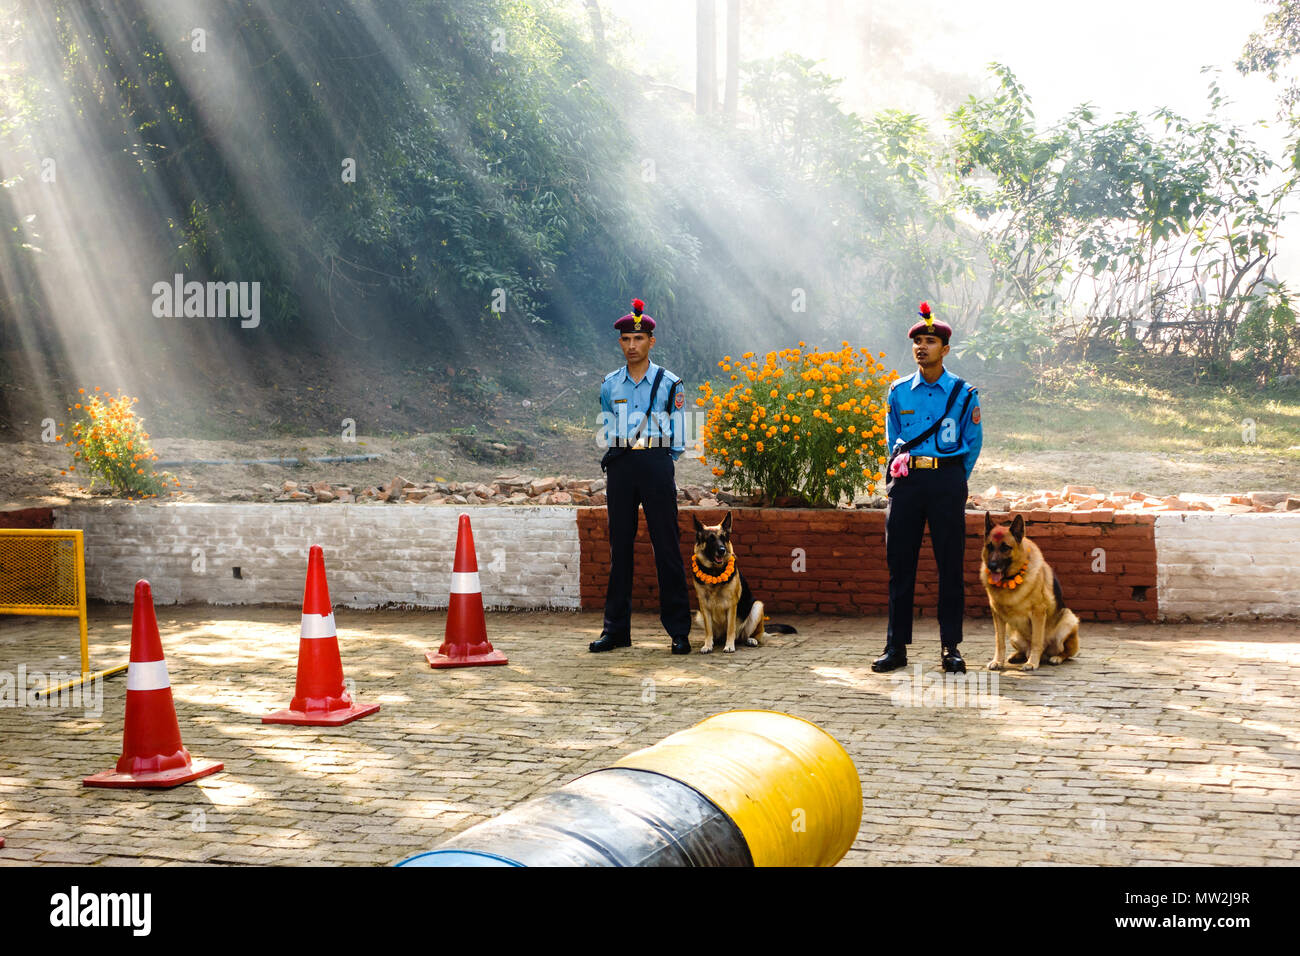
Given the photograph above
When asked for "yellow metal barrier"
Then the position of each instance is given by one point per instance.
(787, 784)
(43, 572)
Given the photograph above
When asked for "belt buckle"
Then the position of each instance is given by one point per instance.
(925, 461)
(639, 443)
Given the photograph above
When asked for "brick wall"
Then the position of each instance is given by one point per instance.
(375, 554)
(845, 570)
(1210, 565)
(27, 518)
(1225, 566)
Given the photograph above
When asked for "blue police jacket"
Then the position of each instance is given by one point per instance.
(914, 404)
(624, 403)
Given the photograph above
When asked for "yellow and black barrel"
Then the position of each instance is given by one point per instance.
(743, 788)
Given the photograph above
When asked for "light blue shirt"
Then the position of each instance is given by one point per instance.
(915, 404)
(624, 403)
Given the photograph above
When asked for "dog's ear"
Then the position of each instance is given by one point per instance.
(988, 524)
(726, 524)
(1018, 528)
(699, 528)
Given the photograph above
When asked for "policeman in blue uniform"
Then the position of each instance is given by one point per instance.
(934, 436)
(643, 423)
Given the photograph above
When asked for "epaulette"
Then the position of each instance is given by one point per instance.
(612, 374)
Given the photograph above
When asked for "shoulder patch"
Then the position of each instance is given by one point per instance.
(975, 415)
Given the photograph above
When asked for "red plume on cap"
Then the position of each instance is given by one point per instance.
(637, 306)
(928, 326)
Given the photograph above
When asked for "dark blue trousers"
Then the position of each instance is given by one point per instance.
(934, 496)
(644, 478)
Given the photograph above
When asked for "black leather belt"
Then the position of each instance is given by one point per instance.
(924, 461)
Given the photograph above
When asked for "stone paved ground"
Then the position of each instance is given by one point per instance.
(1160, 744)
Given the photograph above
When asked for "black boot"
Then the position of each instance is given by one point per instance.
(891, 660)
(952, 661)
(681, 645)
(608, 642)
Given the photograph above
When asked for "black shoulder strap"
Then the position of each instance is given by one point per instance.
(665, 422)
(935, 426)
(650, 409)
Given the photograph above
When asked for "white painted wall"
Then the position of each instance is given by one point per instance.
(375, 554)
(1223, 566)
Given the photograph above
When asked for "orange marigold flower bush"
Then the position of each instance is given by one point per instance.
(805, 423)
(110, 443)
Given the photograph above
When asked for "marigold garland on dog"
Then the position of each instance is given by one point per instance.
(1011, 583)
(713, 578)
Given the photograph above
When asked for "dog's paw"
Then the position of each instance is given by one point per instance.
(707, 648)
(1029, 666)
(1057, 659)
(751, 642)
(997, 665)
(729, 649)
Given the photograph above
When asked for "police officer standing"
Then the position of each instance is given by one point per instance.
(934, 436)
(641, 411)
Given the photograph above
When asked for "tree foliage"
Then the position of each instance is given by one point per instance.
(1156, 232)
(489, 151)
(503, 157)
(1269, 50)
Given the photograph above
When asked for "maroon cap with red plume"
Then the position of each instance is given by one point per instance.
(635, 321)
(928, 326)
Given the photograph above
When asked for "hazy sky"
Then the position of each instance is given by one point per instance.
(1138, 54)
(1120, 54)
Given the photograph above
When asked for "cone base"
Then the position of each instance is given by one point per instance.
(328, 718)
(160, 780)
(472, 660)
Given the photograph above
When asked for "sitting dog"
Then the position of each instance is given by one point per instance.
(726, 605)
(1026, 599)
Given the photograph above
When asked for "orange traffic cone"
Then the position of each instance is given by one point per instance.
(465, 643)
(320, 699)
(152, 753)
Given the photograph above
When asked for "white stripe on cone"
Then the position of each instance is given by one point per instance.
(147, 675)
(316, 626)
(465, 582)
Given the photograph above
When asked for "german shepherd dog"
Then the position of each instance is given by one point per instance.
(1026, 599)
(726, 605)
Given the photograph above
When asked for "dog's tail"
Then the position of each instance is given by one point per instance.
(767, 628)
